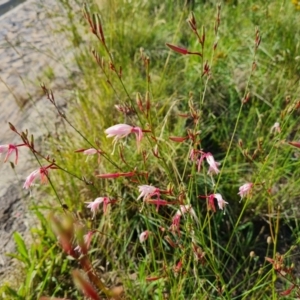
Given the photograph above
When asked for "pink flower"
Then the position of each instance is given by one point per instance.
(144, 236)
(29, 180)
(93, 151)
(90, 151)
(94, 205)
(213, 165)
(183, 209)
(245, 190)
(147, 191)
(10, 148)
(198, 156)
(220, 200)
(122, 130)
(42, 171)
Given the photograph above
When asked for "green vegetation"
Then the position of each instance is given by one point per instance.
(238, 100)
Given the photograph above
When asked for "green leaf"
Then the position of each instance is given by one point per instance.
(21, 247)
(11, 292)
(18, 257)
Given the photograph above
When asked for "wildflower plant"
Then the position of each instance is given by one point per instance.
(162, 203)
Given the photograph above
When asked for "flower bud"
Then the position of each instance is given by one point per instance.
(252, 254)
(84, 285)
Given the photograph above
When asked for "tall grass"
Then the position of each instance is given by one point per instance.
(237, 102)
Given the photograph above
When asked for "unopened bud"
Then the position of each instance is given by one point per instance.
(192, 21)
(178, 139)
(155, 151)
(181, 50)
(139, 102)
(252, 254)
(177, 49)
(98, 26)
(269, 240)
(247, 97)
(255, 153)
(32, 142)
(12, 165)
(295, 144)
(203, 36)
(148, 104)
(257, 38)
(12, 127)
(293, 247)
(215, 45)
(84, 285)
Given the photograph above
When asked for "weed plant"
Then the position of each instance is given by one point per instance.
(175, 169)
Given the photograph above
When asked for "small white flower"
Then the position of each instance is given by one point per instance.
(275, 128)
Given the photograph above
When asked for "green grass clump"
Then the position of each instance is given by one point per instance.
(235, 99)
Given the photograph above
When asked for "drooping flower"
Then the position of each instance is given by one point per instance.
(42, 171)
(120, 131)
(144, 236)
(220, 200)
(198, 156)
(147, 191)
(213, 165)
(94, 205)
(245, 190)
(9, 149)
(29, 180)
